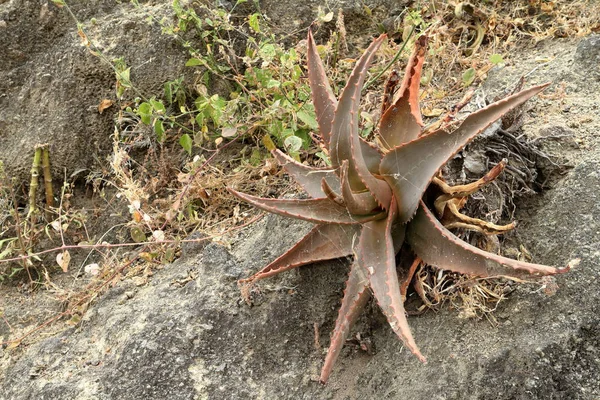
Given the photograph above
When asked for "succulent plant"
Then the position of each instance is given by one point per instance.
(386, 203)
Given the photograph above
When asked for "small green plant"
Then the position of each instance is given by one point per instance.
(387, 203)
(266, 90)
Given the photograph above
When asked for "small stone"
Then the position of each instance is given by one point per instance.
(474, 163)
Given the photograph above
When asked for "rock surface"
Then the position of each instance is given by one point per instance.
(187, 334)
(52, 85)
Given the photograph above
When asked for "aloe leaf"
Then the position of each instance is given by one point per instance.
(437, 246)
(325, 104)
(412, 77)
(323, 242)
(345, 115)
(402, 121)
(308, 177)
(355, 298)
(398, 125)
(376, 254)
(389, 90)
(378, 188)
(322, 95)
(320, 211)
(356, 203)
(345, 140)
(409, 168)
(332, 194)
(371, 155)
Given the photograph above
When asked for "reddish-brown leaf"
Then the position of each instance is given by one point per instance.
(345, 140)
(357, 203)
(345, 119)
(322, 95)
(308, 177)
(320, 211)
(371, 155)
(325, 104)
(437, 246)
(409, 168)
(402, 121)
(377, 255)
(356, 296)
(323, 242)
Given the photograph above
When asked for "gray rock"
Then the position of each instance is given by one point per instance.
(587, 56)
(52, 85)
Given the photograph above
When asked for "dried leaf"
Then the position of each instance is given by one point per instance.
(92, 269)
(104, 104)
(146, 256)
(229, 132)
(13, 345)
(63, 259)
(137, 234)
(158, 235)
(74, 320)
(435, 112)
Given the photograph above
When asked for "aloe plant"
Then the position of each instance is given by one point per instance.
(375, 202)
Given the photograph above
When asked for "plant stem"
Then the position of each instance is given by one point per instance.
(47, 179)
(33, 185)
(392, 62)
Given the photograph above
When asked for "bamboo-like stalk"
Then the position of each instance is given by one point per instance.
(47, 179)
(35, 177)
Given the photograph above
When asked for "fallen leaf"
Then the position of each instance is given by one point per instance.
(137, 217)
(63, 259)
(56, 225)
(104, 104)
(158, 235)
(149, 257)
(13, 345)
(228, 132)
(92, 269)
(75, 319)
(436, 112)
(137, 234)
